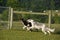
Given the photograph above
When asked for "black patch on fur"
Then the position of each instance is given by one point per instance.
(26, 23)
(29, 24)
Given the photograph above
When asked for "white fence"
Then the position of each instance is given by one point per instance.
(24, 12)
(10, 16)
(5, 17)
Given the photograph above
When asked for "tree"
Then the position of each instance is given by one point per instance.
(13, 3)
(3, 2)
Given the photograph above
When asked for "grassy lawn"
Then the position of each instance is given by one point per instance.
(16, 33)
(24, 35)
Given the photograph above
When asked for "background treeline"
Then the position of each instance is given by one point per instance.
(34, 5)
(31, 5)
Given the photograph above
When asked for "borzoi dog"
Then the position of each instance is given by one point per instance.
(37, 25)
(31, 24)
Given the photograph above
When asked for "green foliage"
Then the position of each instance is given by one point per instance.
(3, 2)
(39, 18)
(16, 17)
(13, 3)
(57, 18)
(5, 15)
(34, 5)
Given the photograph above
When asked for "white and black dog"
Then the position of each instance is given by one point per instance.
(26, 24)
(31, 24)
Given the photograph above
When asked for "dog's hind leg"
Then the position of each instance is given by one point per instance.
(49, 32)
(44, 31)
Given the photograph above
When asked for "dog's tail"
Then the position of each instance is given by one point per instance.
(52, 30)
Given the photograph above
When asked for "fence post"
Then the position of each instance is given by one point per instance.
(49, 18)
(11, 18)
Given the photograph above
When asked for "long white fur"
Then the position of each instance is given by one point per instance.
(37, 25)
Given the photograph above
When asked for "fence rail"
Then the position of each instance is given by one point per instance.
(23, 12)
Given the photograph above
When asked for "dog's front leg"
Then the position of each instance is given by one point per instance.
(24, 27)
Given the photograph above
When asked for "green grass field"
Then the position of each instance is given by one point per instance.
(24, 35)
(19, 34)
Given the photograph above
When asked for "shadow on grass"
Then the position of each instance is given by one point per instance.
(58, 32)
